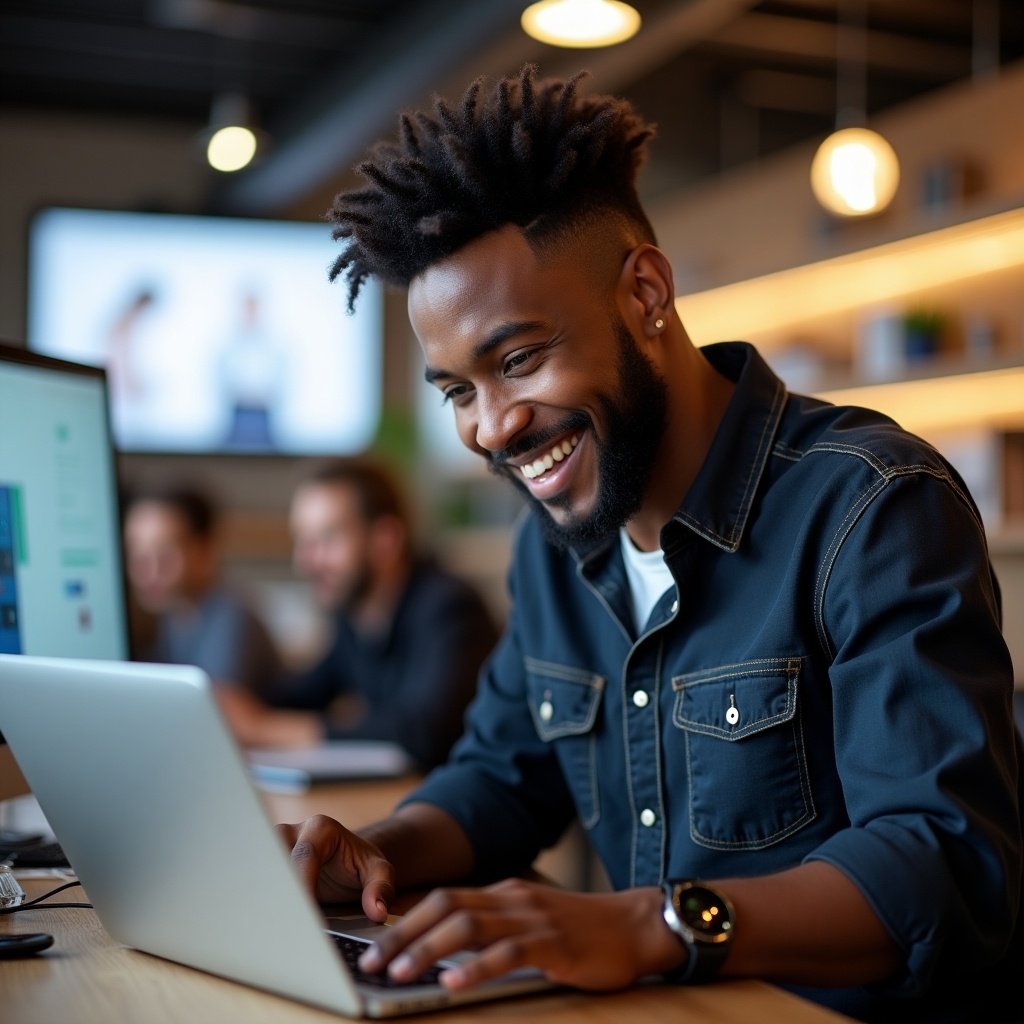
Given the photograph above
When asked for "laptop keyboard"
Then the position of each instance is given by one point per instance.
(352, 949)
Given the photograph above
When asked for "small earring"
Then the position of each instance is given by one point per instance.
(659, 324)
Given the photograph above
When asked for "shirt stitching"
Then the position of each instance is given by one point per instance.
(757, 468)
(860, 503)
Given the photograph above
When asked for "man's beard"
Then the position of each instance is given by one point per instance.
(635, 421)
(348, 598)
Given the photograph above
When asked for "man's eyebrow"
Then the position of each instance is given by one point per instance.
(492, 341)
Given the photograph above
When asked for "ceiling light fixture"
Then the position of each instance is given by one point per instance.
(580, 23)
(855, 171)
(231, 148)
(231, 143)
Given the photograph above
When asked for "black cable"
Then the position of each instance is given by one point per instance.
(33, 903)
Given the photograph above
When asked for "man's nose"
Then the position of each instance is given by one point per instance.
(499, 421)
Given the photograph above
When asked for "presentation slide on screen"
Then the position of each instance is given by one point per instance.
(218, 334)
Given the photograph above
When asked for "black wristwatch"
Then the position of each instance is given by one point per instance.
(703, 920)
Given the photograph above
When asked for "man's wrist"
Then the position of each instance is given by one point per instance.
(424, 845)
(661, 950)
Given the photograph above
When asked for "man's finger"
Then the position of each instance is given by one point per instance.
(466, 929)
(508, 954)
(424, 916)
(313, 843)
(378, 889)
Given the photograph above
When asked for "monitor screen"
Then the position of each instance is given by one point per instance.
(219, 334)
(62, 589)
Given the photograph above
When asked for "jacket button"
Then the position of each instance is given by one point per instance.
(640, 698)
(675, 606)
(732, 715)
(648, 817)
(546, 710)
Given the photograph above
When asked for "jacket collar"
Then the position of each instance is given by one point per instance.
(718, 503)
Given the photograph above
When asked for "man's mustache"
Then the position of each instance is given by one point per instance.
(498, 461)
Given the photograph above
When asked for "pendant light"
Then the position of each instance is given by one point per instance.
(855, 171)
(232, 142)
(580, 23)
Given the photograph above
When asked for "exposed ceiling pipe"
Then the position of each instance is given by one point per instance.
(328, 131)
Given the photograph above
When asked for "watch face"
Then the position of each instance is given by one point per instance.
(705, 913)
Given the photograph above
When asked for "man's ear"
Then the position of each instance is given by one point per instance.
(646, 290)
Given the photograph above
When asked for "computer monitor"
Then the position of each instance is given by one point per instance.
(220, 335)
(62, 587)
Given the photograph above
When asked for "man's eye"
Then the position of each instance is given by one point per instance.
(454, 393)
(516, 360)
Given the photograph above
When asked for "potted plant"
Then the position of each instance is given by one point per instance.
(923, 328)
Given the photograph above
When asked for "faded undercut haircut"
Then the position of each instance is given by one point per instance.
(531, 152)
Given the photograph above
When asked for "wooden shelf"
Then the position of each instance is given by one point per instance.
(944, 395)
(764, 309)
(818, 303)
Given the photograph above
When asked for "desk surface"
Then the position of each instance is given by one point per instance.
(88, 978)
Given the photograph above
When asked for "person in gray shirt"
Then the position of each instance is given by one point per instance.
(185, 613)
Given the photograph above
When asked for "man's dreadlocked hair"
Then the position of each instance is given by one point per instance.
(532, 152)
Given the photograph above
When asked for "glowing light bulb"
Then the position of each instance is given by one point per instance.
(855, 172)
(231, 148)
(580, 23)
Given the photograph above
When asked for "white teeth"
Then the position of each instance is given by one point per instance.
(558, 452)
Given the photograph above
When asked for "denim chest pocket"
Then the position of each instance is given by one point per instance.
(746, 765)
(564, 702)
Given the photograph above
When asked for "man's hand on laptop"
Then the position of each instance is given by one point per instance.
(338, 866)
(586, 940)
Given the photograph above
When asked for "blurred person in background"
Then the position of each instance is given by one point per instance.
(408, 637)
(185, 613)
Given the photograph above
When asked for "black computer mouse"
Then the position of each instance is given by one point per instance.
(25, 944)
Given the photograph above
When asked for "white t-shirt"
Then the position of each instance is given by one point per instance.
(649, 577)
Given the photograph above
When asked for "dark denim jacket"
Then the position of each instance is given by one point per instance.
(828, 681)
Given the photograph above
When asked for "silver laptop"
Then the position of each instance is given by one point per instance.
(152, 801)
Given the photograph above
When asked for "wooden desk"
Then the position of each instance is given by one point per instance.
(87, 978)
(354, 804)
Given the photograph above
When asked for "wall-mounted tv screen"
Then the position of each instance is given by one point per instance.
(218, 334)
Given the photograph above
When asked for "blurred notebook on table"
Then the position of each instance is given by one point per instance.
(338, 761)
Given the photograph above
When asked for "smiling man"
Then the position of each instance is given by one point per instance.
(599, 413)
(754, 644)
